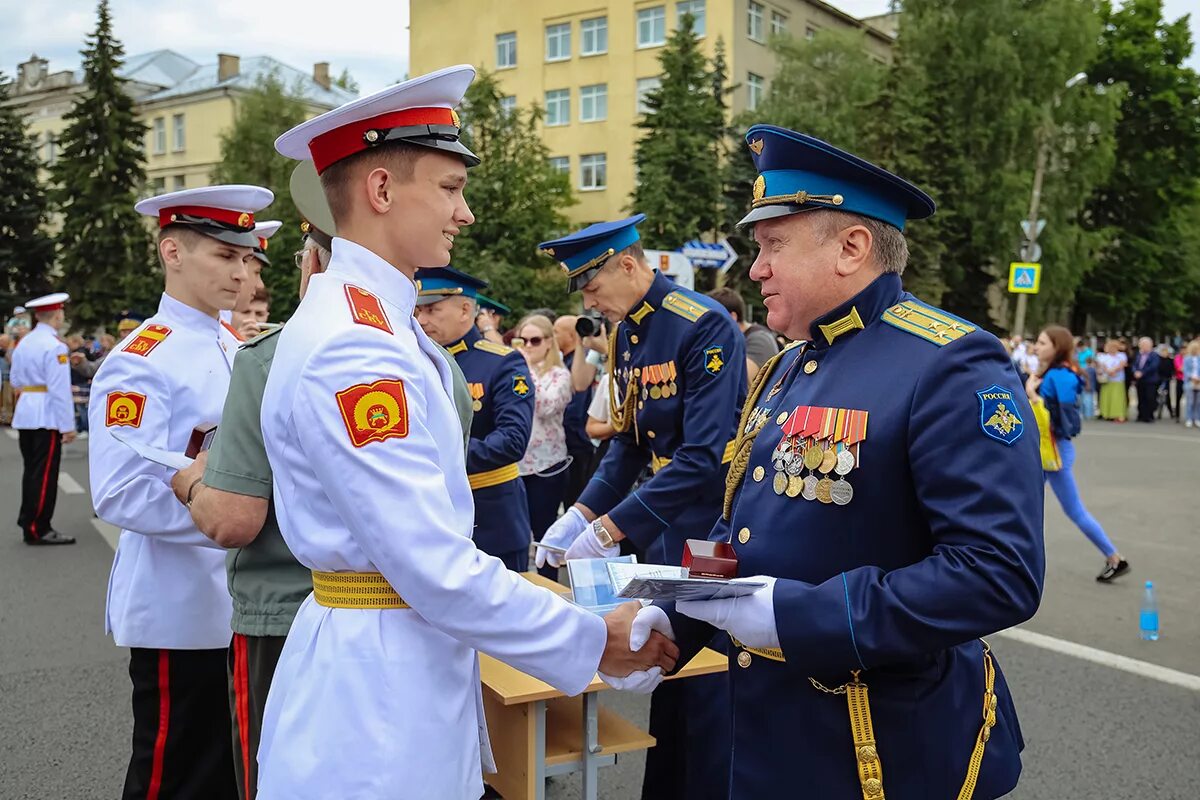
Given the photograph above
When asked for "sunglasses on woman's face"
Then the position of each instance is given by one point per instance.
(532, 341)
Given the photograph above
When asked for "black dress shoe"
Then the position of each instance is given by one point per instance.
(53, 537)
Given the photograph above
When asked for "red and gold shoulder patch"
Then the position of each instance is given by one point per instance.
(147, 339)
(374, 412)
(124, 408)
(62, 358)
(367, 309)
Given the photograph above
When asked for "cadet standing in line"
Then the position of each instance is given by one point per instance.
(677, 379)
(243, 320)
(887, 489)
(231, 491)
(167, 599)
(503, 401)
(377, 689)
(44, 417)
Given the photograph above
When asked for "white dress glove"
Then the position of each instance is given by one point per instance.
(750, 619)
(586, 545)
(561, 534)
(650, 618)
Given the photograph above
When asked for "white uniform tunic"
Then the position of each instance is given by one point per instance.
(40, 361)
(385, 703)
(167, 587)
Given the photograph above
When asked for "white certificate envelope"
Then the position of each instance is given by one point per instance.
(166, 458)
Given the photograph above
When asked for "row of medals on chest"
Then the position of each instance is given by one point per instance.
(822, 442)
(657, 380)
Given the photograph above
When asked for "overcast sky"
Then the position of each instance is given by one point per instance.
(372, 44)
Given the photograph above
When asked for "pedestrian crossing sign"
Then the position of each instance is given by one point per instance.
(1024, 278)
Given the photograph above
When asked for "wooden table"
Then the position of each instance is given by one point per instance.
(537, 731)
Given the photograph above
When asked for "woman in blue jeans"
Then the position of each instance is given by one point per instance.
(1059, 385)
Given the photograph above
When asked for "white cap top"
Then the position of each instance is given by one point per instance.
(237, 198)
(267, 229)
(48, 302)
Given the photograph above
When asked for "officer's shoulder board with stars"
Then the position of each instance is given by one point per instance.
(491, 347)
(684, 306)
(927, 322)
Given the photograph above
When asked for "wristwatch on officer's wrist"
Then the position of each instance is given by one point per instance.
(602, 533)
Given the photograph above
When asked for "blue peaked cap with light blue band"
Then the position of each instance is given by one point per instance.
(584, 253)
(434, 285)
(798, 172)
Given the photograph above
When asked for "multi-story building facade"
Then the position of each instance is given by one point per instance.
(589, 65)
(185, 105)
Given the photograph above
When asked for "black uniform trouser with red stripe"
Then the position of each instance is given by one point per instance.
(180, 727)
(41, 450)
(252, 661)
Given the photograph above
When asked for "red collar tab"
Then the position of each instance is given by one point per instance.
(237, 219)
(354, 137)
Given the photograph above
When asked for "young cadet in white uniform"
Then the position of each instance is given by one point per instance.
(376, 694)
(167, 598)
(44, 417)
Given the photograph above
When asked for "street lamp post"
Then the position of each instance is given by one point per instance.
(1035, 198)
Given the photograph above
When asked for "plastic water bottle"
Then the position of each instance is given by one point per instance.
(1148, 619)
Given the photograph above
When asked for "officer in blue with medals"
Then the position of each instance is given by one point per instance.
(676, 381)
(498, 377)
(887, 492)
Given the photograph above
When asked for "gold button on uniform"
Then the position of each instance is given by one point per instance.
(810, 367)
(744, 535)
(782, 418)
(759, 473)
(650, 434)
(743, 659)
(872, 787)
(633, 338)
(867, 753)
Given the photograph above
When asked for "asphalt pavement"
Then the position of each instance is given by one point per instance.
(1105, 714)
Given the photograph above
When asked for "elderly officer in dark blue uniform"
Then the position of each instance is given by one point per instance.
(887, 490)
(677, 380)
(498, 378)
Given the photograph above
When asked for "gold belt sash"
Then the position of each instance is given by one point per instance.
(493, 477)
(866, 753)
(658, 462)
(33, 389)
(354, 590)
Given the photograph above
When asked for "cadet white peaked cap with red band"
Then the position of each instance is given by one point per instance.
(265, 230)
(418, 112)
(225, 213)
(48, 302)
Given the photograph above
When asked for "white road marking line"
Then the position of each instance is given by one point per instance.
(68, 485)
(111, 533)
(1104, 658)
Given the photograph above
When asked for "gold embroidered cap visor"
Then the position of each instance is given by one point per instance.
(798, 173)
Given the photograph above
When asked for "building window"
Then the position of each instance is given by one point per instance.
(594, 33)
(558, 42)
(160, 135)
(593, 103)
(652, 26)
(51, 149)
(560, 164)
(809, 32)
(754, 91)
(558, 107)
(644, 87)
(506, 50)
(696, 9)
(755, 21)
(179, 133)
(593, 171)
(778, 24)
(180, 183)
(508, 104)
(158, 186)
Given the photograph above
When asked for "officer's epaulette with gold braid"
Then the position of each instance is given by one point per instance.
(262, 337)
(684, 306)
(927, 322)
(491, 347)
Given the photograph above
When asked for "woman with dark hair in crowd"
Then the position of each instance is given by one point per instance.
(1058, 385)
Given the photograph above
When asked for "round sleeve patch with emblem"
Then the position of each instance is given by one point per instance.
(374, 412)
(124, 409)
